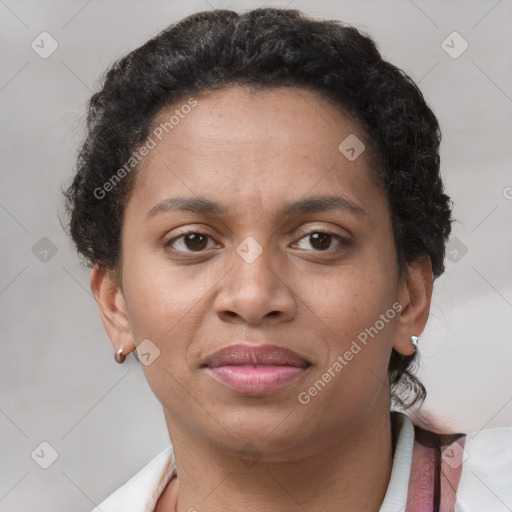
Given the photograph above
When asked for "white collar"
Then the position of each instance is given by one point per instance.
(396, 494)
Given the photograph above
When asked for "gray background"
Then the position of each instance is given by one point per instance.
(59, 382)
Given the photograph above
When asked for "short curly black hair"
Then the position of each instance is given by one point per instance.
(267, 48)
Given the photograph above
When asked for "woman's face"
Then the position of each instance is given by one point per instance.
(256, 274)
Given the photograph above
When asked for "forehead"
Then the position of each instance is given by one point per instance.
(236, 119)
(241, 144)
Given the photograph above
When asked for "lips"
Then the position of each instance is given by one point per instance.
(259, 355)
(256, 370)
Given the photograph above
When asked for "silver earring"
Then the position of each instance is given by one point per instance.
(414, 342)
(119, 357)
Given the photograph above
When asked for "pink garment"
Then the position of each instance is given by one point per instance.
(435, 471)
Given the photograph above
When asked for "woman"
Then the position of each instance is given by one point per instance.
(260, 202)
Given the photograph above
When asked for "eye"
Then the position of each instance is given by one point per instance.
(195, 241)
(321, 240)
(190, 241)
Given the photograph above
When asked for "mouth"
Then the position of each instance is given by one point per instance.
(256, 370)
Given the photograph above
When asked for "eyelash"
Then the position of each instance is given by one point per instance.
(342, 241)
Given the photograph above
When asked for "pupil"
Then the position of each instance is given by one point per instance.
(323, 237)
(194, 238)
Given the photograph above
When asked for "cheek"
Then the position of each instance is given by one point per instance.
(356, 318)
(164, 306)
(352, 298)
(160, 298)
(152, 308)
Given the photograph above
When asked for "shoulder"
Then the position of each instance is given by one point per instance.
(486, 479)
(141, 492)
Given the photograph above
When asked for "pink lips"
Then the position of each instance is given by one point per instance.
(255, 369)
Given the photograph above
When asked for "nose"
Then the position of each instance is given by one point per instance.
(253, 292)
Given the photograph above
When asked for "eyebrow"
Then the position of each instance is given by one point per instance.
(203, 205)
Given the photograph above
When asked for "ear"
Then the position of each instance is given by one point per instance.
(112, 307)
(414, 296)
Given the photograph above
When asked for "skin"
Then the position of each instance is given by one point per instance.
(253, 151)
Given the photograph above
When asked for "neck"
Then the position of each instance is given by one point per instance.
(349, 474)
